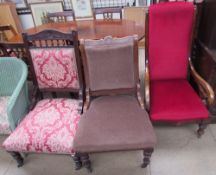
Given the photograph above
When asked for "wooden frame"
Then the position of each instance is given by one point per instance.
(60, 16)
(108, 12)
(39, 10)
(204, 87)
(82, 9)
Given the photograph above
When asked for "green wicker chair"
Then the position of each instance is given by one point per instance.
(14, 100)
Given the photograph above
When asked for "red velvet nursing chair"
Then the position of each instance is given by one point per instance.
(168, 95)
(51, 124)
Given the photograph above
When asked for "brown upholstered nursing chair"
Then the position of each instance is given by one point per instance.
(115, 120)
(51, 124)
(168, 94)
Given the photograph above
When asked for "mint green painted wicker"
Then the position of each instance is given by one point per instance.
(13, 75)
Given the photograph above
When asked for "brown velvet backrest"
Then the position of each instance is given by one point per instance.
(110, 65)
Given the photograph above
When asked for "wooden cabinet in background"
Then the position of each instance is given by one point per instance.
(8, 15)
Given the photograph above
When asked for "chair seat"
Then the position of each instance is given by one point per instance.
(114, 123)
(175, 100)
(50, 127)
(4, 124)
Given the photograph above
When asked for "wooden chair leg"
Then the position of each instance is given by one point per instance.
(77, 160)
(86, 162)
(201, 129)
(19, 159)
(147, 155)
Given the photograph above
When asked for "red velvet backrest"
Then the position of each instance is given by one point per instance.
(170, 30)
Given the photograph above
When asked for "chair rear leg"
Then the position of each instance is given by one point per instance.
(17, 156)
(201, 129)
(86, 162)
(77, 161)
(147, 155)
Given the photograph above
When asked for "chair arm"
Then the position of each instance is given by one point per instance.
(204, 88)
(18, 103)
(147, 86)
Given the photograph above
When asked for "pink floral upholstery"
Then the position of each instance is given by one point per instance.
(50, 127)
(55, 68)
(4, 124)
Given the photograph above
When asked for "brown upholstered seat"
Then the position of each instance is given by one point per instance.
(114, 123)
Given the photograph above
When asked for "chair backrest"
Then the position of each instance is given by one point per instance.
(110, 65)
(108, 13)
(60, 16)
(12, 71)
(4, 29)
(169, 36)
(54, 60)
(8, 49)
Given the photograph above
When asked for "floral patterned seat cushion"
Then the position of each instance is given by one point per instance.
(4, 124)
(55, 68)
(50, 127)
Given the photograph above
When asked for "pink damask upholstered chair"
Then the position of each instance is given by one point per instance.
(168, 94)
(51, 124)
(115, 120)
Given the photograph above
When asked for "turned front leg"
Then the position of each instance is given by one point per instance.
(147, 155)
(19, 159)
(77, 161)
(86, 162)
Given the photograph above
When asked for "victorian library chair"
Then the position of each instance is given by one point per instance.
(61, 16)
(168, 95)
(114, 117)
(108, 13)
(14, 102)
(51, 124)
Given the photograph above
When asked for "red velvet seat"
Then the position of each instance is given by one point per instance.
(175, 100)
(168, 94)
